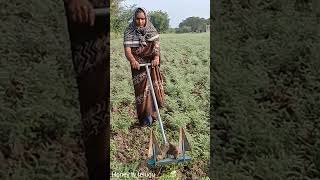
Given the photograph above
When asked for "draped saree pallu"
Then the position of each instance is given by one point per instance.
(90, 56)
(144, 44)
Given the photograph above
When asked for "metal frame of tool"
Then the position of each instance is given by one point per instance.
(153, 144)
(101, 11)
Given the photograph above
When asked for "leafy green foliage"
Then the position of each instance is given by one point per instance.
(160, 20)
(193, 24)
(39, 119)
(119, 17)
(265, 90)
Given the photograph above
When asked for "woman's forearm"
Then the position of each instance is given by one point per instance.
(129, 55)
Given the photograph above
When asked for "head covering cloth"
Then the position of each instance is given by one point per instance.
(139, 36)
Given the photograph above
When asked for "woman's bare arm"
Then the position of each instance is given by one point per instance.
(134, 63)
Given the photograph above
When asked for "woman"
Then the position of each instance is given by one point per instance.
(141, 45)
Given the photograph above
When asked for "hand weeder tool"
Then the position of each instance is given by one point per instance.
(154, 149)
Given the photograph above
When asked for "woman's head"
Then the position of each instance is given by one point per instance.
(140, 18)
(140, 30)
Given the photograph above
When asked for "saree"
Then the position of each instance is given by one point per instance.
(90, 57)
(144, 44)
(143, 97)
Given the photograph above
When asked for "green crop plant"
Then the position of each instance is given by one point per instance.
(185, 66)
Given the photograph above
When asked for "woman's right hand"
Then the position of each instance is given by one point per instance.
(81, 11)
(135, 64)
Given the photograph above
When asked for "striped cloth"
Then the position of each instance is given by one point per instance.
(136, 37)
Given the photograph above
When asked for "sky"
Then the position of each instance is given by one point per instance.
(178, 10)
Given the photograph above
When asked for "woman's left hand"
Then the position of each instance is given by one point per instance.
(155, 61)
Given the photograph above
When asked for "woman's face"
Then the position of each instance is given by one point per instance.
(140, 19)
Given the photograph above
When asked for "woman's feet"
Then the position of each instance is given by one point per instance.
(147, 121)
